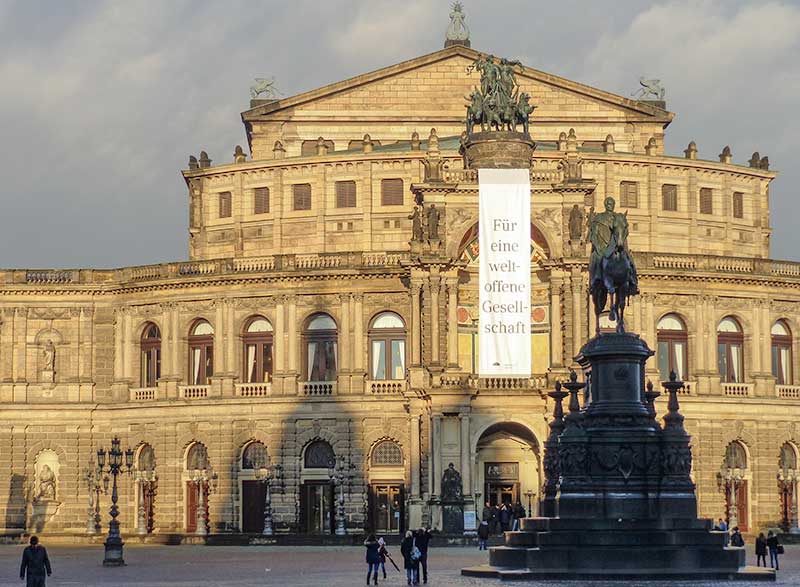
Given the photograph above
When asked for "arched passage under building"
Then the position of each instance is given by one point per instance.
(507, 458)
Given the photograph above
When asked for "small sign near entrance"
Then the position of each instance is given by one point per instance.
(470, 521)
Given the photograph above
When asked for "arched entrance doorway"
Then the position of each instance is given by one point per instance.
(317, 504)
(146, 485)
(252, 490)
(735, 479)
(196, 476)
(787, 485)
(386, 473)
(508, 466)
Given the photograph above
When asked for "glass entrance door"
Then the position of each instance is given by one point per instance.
(387, 508)
(317, 507)
(500, 492)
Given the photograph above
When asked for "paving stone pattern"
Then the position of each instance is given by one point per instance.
(304, 566)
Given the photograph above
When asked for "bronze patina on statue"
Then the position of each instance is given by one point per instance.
(612, 273)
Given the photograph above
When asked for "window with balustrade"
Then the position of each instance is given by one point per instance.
(150, 365)
(782, 353)
(257, 352)
(201, 353)
(673, 343)
(730, 345)
(387, 343)
(321, 342)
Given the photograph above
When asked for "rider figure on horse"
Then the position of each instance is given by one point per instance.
(611, 268)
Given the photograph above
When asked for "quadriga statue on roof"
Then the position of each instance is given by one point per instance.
(498, 104)
(612, 272)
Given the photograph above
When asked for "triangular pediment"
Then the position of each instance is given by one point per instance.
(434, 86)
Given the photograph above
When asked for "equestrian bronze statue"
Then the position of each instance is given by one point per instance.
(612, 273)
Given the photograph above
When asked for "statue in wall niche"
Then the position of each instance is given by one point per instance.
(433, 222)
(612, 272)
(575, 223)
(416, 224)
(451, 484)
(49, 362)
(47, 484)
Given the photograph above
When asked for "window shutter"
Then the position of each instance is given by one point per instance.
(669, 197)
(345, 194)
(302, 196)
(225, 210)
(261, 203)
(738, 205)
(391, 192)
(629, 194)
(706, 201)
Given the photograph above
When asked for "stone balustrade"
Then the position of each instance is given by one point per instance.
(386, 387)
(253, 389)
(787, 391)
(737, 389)
(194, 391)
(144, 394)
(316, 388)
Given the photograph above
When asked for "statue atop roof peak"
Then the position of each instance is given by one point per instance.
(457, 31)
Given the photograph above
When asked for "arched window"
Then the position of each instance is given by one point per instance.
(788, 458)
(258, 351)
(319, 455)
(146, 460)
(387, 453)
(672, 345)
(729, 351)
(255, 456)
(150, 366)
(201, 353)
(387, 336)
(321, 348)
(735, 456)
(782, 353)
(197, 457)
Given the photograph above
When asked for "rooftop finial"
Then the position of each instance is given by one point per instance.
(457, 31)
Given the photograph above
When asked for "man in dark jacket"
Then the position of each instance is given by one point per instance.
(486, 514)
(35, 564)
(505, 517)
(423, 538)
(494, 523)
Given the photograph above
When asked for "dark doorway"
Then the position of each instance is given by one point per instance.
(387, 511)
(191, 506)
(500, 492)
(317, 508)
(254, 494)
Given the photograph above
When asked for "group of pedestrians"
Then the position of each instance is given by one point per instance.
(502, 517)
(414, 550)
(764, 544)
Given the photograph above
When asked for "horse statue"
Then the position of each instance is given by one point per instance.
(474, 111)
(266, 87)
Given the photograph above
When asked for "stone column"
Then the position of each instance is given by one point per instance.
(414, 456)
(230, 333)
(755, 344)
(433, 286)
(556, 345)
(452, 322)
(466, 473)
(416, 324)
(220, 363)
(293, 342)
(343, 376)
(576, 285)
(357, 302)
(279, 335)
(437, 455)
(119, 330)
(127, 345)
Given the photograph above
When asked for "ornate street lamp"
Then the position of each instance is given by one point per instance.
(340, 472)
(113, 544)
(203, 478)
(787, 482)
(147, 490)
(730, 479)
(529, 494)
(268, 474)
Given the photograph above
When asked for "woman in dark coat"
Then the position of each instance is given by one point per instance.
(373, 558)
(761, 550)
(411, 566)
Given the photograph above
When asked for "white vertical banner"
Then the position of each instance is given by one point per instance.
(505, 272)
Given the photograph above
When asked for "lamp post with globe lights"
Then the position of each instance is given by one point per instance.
(340, 472)
(269, 474)
(114, 467)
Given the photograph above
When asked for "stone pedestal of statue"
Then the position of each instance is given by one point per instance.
(619, 496)
(452, 518)
(498, 150)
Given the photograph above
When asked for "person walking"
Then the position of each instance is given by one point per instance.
(35, 564)
(774, 549)
(736, 538)
(373, 558)
(761, 550)
(483, 535)
(423, 540)
(382, 552)
(410, 563)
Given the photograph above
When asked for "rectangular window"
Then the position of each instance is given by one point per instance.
(629, 194)
(225, 208)
(738, 205)
(391, 192)
(302, 196)
(345, 194)
(261, 201)
(706, 201)
(669, 198)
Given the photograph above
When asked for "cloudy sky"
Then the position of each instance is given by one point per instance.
(102, 102)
